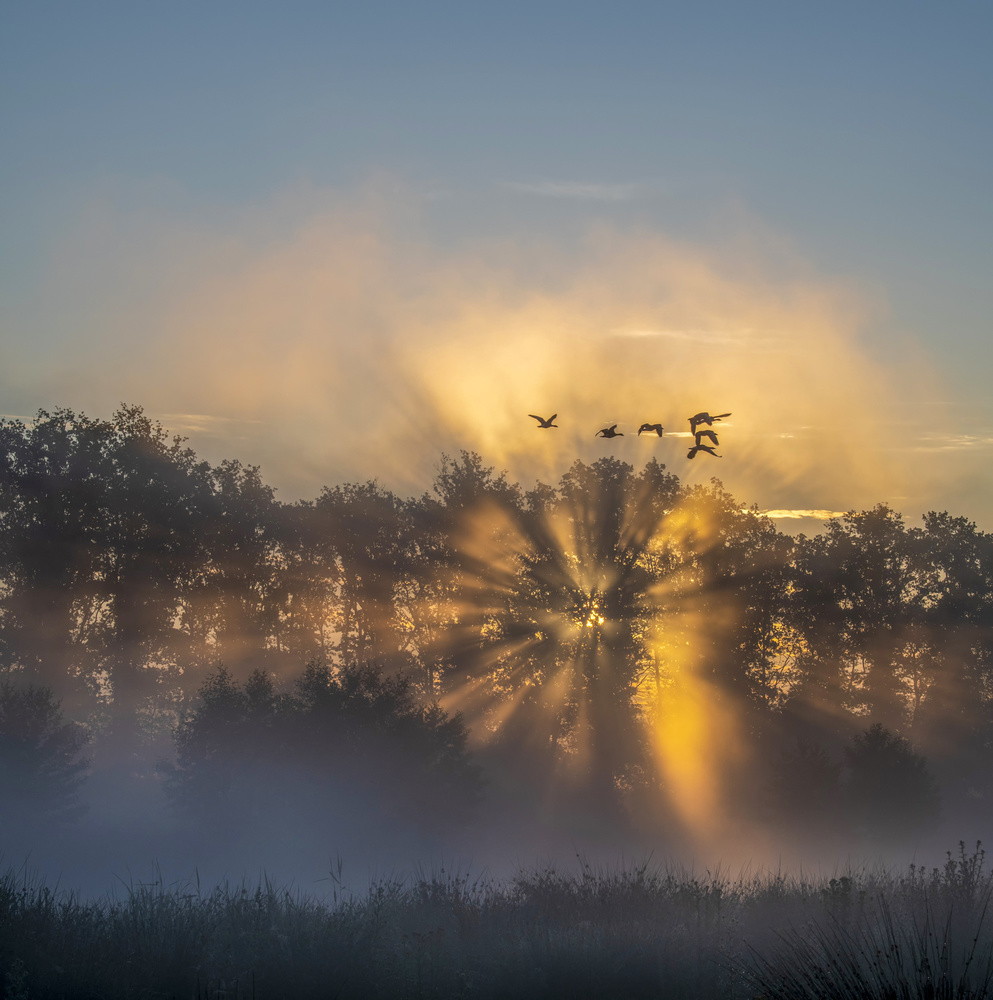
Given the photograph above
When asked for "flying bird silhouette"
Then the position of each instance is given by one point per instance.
(609, 432)
(702, 447)
(542, 422)
(705, 418)
(700, 435)
(651, 427)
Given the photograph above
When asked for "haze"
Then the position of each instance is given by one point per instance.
(340, 243)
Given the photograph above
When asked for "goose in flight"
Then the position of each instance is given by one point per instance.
(542, 422)
(700, 435)
(702, 447)
(609, 432)
(705, 418)
(651, 427)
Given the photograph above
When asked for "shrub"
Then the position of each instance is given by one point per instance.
(346, 747)
(890, 794)
(41, 762)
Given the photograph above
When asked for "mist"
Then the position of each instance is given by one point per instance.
(618, 664)
(334, 335)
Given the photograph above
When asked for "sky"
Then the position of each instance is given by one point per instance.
(338, 240)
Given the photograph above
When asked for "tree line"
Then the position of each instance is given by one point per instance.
(557, 620)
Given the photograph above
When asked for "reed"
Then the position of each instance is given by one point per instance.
(589, 931)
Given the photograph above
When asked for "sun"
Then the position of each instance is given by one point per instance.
(589, 628)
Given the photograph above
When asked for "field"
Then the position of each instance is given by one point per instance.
(642, 931)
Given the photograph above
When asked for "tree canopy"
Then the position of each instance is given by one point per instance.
(601, 631)
(347, 749)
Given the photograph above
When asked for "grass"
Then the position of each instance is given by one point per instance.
(643, 931)
(924, 936)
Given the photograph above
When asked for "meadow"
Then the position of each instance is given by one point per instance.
(648, 930)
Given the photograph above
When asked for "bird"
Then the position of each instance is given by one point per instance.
(542, 422)
(706, 434)
(651, 427)
(705, 418)
(609, 432)
(702, 447)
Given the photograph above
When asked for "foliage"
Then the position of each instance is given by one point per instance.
(925, 936)
(639, 932)
(565, 621)
(805, 794)
(889, 792)
(347, 747)
(41, 762)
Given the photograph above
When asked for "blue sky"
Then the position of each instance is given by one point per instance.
(511, 167)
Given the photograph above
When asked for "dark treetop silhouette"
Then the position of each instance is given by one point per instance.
(129, 570)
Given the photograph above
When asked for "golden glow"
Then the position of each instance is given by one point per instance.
(354, 351)
(596, 657)
(357, 350)
(695, 741)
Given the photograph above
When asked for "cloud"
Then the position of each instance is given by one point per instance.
(752, 338)
(820, 515)
(324, 336)
(953, 442)
(201, 423)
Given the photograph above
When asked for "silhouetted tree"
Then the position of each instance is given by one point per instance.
(53, 518)
(461, 557)
(564, 580)
(155, 495)
(311, 614)
(889, 791)
(412, 758)
(104, 526)
(560, 619)
(953, 657)
(861, 598)
(733, 586)
(41, 762)
(233, 609)
(347, 748)
(804, 794)
(371, 539)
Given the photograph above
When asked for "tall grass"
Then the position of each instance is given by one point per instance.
(643, 931)
(926, 935)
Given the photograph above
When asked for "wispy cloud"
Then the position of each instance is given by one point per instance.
(953, 442)
(347, 346)
(739, 338)
(796, 514)
(578, 190)
(201, 423)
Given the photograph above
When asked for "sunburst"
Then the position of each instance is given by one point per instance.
(585, 627)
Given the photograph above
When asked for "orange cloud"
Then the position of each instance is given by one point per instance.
(323, 336)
